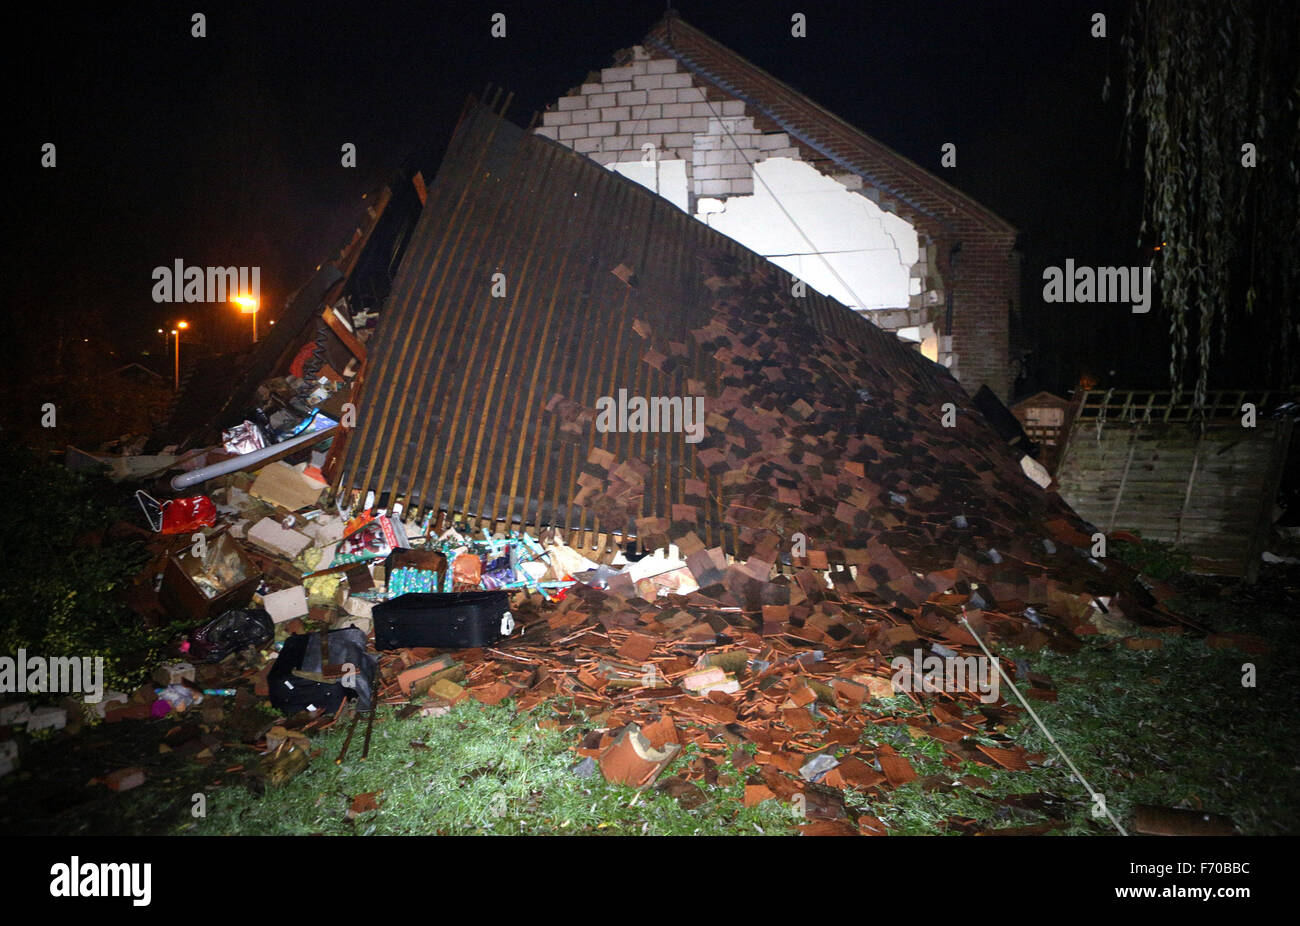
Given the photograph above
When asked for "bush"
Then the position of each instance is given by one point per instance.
(1156, 559)
(60, 583)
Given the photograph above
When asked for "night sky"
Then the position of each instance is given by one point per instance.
(225, 150)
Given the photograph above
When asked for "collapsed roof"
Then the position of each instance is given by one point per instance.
(538, 282)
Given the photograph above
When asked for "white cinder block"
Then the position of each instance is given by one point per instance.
(663, 125)
(733, 107)
(557, 118)
(618, 86)
(661, 66)
(773, 140)
(611, 75)
(586, 145)
(600, 129)
(639, 140)
(617, 142)
(689, 94)
(784, 153)
(570, 103)
(678, 139)
(358, 607)
(648, 82)
(110, 699)
(722, 156)
(583, 116)
(287, 604)
(639, 67)
(708, 110)
(694, 124)
(734, 171)
(632, 98)
(677, 80)
(549, 131)
(673, 110)
(742, 187)
(270, 535)
(662, 96)
(47, 718)
(715, 188)
(731, 126)
(570, 132)
(588, 89)
(615, 113)
(605, 157)
(648, 111)
(601, 100)
(708, 172)
(11, 715)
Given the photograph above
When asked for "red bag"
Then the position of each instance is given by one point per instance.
(179, 515)
(182, 515)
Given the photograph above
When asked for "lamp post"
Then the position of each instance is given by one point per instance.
(177, 332)
(248, 306)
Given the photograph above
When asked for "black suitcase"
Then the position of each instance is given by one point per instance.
(455, 620)
(293, 691)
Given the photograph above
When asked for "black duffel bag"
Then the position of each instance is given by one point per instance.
(455, 620)
(304, 677)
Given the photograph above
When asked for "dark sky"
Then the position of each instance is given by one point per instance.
(225, 150)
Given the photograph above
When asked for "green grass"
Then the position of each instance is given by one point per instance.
(1175, 727)
(1172, 727)
(485, 771)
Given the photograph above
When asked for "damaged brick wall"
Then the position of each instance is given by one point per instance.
(711, 116)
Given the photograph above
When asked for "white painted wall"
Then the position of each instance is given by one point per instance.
(796, 211)
(667, 178)
(837, 241)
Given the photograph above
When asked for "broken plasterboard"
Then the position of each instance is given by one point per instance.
(281, 484)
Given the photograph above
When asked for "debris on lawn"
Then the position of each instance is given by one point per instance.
(749, 620)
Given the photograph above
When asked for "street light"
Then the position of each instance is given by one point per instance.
(177, 332)
(248, 306)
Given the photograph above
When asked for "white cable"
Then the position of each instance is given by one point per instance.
(1051, 739)
(812, 247)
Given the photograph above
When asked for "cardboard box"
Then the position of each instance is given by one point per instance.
(229, 570)
(430, 560)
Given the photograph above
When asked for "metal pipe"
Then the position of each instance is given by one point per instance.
(245, 460)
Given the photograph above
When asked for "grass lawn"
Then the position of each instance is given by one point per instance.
(1172, 727)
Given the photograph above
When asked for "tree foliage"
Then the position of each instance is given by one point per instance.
(1202, 79)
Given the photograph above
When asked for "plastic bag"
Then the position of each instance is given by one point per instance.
(231, 632)
(243, 438)
(182, 515)
(466, 571)
(178, 516)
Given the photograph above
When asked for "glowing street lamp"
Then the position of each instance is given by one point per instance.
(177, 332)
(248, 306)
